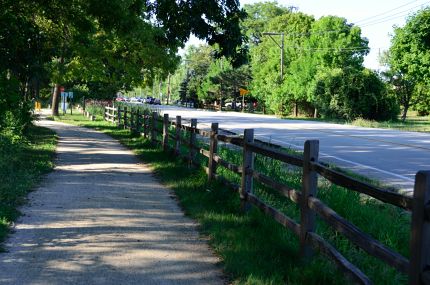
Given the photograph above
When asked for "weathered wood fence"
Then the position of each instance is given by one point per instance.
(417, 267)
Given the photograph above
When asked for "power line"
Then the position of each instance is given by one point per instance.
(333, 48)
(383, 13)
(385, 20)
(392, 16)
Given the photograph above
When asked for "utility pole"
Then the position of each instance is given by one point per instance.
(281, 46)
(168, 89)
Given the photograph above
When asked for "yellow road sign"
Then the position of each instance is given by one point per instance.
(243, 91)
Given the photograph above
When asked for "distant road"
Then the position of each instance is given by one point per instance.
(391, 156)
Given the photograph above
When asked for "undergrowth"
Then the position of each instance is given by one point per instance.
(22, 162)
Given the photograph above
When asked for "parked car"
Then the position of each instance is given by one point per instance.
(230, 105)
(136, 100)
(149, 100)
(156, 101)
(120, 99)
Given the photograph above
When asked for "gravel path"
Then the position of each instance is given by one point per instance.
(101, 218)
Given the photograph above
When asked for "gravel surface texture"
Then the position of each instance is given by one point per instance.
(101, 218)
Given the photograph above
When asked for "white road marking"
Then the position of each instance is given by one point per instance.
(350, 162)
(405, 178)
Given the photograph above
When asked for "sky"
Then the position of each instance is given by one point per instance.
(375, 17)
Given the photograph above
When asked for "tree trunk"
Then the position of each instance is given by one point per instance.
(55, 100)
(296, 109)
(405, 112)
(315, 113)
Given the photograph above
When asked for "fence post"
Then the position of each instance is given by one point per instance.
(145, 122)
(165, 132)
(192, 141)
(213, 149)
(419, 270)
(246, 185)
(178, 135)
(133, 123)
(130, 119)
(118, 121)
(154, 127)
(137, 121)
(125, 120)
(309, 188)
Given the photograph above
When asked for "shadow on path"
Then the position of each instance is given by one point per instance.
(101, 218)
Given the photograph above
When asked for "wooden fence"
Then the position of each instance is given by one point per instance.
(417, 267)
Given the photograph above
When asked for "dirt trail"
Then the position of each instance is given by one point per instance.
(101, 218)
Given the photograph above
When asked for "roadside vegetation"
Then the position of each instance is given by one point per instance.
(128, 48)
(254, 249)
(24, 160)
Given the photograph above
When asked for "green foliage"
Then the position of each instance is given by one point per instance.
(223, 82)
(108, 46)
(353, 94)
(258, 15)
(22, 163)
(204, 77)
(15, 115)
(266, 64)
(409, 62)
(315, 50)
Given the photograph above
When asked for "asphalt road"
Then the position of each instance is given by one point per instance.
(390, 156)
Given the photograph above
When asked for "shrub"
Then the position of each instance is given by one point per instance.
(15, 112)
(353, 94)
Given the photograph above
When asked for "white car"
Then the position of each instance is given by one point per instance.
(135, 100)
(230, 105)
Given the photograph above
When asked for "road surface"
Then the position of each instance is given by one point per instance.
(390, 156)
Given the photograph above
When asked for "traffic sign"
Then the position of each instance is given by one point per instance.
(243, 91)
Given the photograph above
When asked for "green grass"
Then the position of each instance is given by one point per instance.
(253, 248)
(413, 123)
(22, 163)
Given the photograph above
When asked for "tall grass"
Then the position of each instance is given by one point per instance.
(22, 162)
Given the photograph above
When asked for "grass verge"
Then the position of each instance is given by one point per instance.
(255, 249)
(23, 162)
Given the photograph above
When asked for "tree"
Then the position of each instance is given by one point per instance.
(258, 15)
(265, 60)
(117, 44)
(311, 47)
(409, 59)
(223, 83)
(353, 93)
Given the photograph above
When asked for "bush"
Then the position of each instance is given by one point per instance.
(15, 113)
(97, 107)
(354, 94)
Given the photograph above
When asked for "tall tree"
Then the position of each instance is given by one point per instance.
(120, 43)
(409, 59)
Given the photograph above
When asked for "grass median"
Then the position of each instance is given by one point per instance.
(253, 248)
(23, 162)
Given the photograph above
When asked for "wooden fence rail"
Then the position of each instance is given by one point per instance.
(163, 130)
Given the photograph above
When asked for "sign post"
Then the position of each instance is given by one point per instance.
(243, 92)
(63, 101)
(71, 102)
